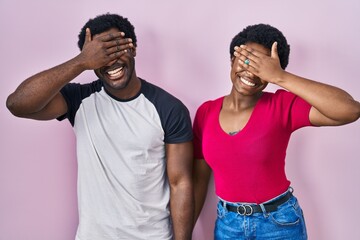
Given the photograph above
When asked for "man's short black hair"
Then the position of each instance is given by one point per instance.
(265, 35)
(103, 23)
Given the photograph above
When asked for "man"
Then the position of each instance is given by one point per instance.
(134, 145)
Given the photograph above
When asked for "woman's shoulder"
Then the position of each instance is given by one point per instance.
(279, 95)
(209, 106)
(212, 102)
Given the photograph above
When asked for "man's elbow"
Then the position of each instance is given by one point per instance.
(14, 107)
(11, 106)
(182, 183)
(357, 112)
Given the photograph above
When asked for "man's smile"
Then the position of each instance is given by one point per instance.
(115, 73)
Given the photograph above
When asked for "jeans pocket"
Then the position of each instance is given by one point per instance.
(287, 214)
(224, 216)
(221, 211)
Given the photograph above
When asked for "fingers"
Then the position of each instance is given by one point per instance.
(258, 60)
(110, 36)
(105, 48)
(117, 53)
(87, 35)
(251, 58)
(115, 45)
(274, 52)
(119, 42)
(115, 42)
(118, 48)
(245, 57)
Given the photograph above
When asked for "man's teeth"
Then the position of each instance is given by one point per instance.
(116, 72)
(246, 82)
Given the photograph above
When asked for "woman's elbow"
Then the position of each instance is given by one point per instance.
(353, 113)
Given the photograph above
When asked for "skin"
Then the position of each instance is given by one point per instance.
(39, 97)
(179, 169)
(331, 106)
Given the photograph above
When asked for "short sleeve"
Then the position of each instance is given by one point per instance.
(295, 110)
(73, 94)
(198, 130)
(178, 124)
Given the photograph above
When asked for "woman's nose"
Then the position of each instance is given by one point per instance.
(249, 74)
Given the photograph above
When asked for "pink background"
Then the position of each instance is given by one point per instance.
(183, 47)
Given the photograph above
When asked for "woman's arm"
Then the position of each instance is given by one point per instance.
(330, 105)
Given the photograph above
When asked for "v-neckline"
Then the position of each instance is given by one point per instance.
(247, 124)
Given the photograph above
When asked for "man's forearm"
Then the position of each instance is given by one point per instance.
(35, 92)
(182, 210)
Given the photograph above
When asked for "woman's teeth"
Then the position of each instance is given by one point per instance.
(115, 73)
(246, 82)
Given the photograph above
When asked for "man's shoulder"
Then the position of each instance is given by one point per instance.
(159, 96)
(93, 86)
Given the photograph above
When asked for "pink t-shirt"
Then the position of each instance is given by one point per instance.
(250, 165)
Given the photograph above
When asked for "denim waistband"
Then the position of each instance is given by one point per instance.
(249, 209)
(290, 189)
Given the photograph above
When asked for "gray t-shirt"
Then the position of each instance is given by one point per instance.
(123, 192)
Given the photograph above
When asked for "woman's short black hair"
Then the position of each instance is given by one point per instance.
(103, 23)
(265, 35)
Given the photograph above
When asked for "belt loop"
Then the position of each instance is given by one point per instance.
(264, 210)
(224, 204)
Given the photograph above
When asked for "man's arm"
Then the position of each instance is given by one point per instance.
(38, 97)
(179, 170)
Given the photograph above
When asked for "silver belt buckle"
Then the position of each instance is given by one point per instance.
(245, 209)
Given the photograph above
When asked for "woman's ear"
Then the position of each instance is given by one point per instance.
(232, 60)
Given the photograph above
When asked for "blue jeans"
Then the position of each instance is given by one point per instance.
(286, 223)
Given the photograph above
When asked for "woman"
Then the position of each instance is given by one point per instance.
(242, 138)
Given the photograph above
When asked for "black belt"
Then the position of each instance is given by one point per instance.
(248, 209)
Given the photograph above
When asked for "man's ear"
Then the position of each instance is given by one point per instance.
(96, 73)
(133, 51)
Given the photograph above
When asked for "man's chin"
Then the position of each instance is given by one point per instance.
(119, 84)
